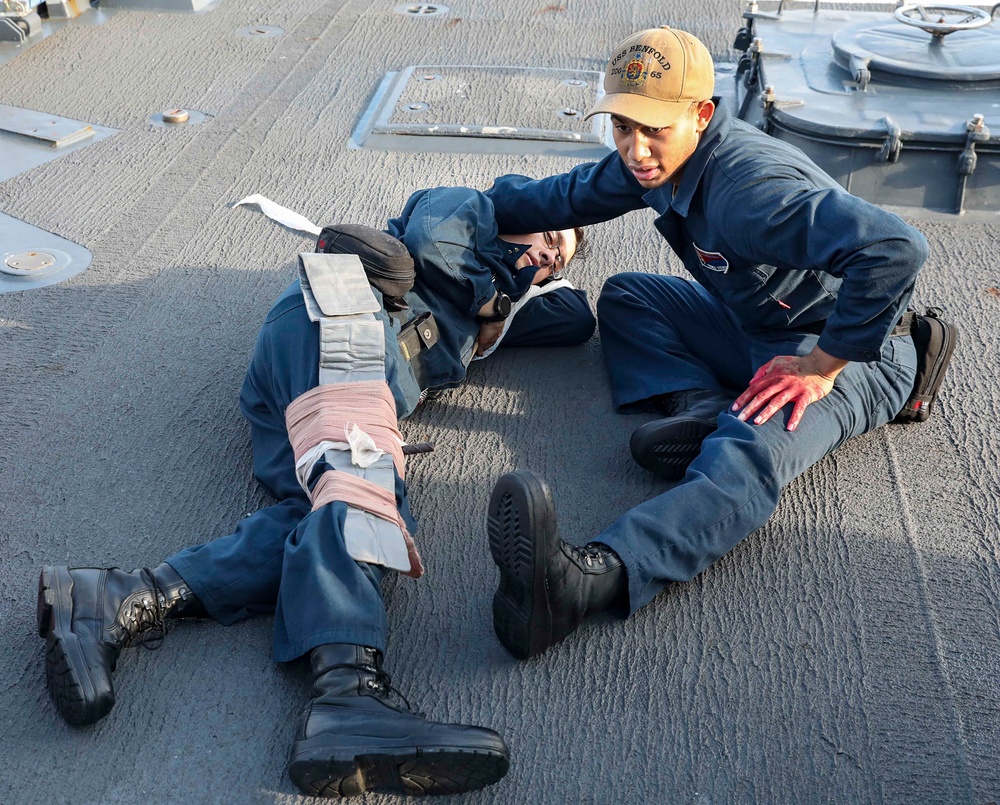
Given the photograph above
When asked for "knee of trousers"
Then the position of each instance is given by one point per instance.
(624, 290)
(616, 286)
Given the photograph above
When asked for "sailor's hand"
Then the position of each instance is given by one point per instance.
(788, 379)
(489, 332)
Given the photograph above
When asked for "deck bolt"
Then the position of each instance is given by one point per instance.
(175, 116)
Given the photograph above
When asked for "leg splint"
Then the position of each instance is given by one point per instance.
(349, 419)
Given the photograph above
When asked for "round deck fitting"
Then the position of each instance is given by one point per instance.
(177, 118)
(422, 9)
(36, 268)
(176, 115)
(28, 264)
(260, 32)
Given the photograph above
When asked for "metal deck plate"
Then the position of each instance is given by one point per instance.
(163, 5)
(47, 129)
(29, 138)
(478, 109)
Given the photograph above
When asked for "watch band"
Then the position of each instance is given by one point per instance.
(501, 309)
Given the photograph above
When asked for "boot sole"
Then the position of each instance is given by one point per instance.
(521, 525)
(66, 672)
(408, 771)
(668, 446)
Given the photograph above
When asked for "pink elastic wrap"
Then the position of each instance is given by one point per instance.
(327, 413)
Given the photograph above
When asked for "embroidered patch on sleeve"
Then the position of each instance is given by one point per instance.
(713, 261)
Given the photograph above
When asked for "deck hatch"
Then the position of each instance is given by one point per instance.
(481, 109)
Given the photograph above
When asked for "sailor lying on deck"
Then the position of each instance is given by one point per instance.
(331, 372)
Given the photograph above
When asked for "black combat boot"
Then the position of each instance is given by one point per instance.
(667, 446)
(547, 586)
(354, 739)
(87, 615)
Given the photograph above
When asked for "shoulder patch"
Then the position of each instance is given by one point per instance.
(713, 261)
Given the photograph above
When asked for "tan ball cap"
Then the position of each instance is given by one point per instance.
(654, 75)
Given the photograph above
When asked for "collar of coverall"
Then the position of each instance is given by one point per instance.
(511, 251)
(511, 254)
(680, 201)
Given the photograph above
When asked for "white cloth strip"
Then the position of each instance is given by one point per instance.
(282, 215)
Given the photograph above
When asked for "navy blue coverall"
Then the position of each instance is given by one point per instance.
(783, 259)
(291, 560)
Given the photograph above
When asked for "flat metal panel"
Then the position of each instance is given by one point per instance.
(500, 102)
(49, 129)
(21, 154)
(482, 109)
(162, 5)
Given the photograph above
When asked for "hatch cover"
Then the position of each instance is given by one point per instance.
(480, 109)
(896, 49)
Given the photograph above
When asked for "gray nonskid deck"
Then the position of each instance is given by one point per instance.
(847, 652)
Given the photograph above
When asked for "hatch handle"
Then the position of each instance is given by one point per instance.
(976, 132)
(893, 143)
(859, 68)
(943, 19)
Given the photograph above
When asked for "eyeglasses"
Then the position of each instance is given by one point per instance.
(552, 242)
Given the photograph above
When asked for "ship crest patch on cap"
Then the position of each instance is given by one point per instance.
(635, 72)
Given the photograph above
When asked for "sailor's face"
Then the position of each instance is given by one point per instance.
(550, 251)
(656, 156)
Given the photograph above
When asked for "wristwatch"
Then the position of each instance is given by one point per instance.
(501, 309)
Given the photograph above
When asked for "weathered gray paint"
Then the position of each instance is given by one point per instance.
(883, 107)
(846, 653)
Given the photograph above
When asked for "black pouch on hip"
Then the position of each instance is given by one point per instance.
(386, 261)
(935, 341)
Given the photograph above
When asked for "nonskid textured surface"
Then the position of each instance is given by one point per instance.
(844, 653)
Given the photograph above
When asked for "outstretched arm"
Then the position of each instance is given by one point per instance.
(588, 194)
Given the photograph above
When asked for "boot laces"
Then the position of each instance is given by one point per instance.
(589, 554)
(148, 614)
(381, 685)
(672, 404)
